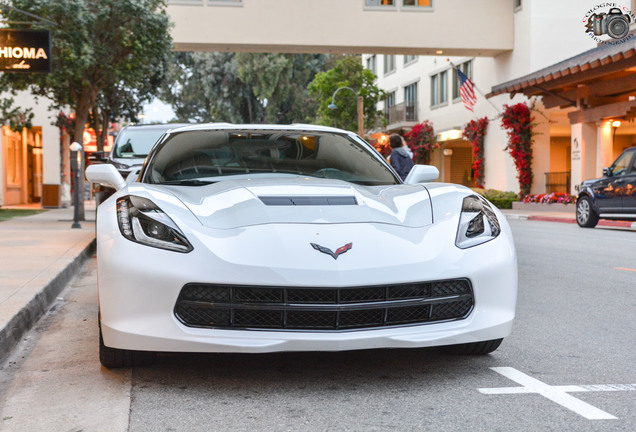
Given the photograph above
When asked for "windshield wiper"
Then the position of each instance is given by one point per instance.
(187, 182)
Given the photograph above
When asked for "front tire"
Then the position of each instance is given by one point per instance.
(473, 348)
(112, 358)
(586, 217)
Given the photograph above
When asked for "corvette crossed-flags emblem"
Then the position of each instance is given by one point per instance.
(334, 255)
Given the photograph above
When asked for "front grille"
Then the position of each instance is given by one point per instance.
(323, 309)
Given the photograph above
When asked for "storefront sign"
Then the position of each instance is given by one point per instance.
(25, 50)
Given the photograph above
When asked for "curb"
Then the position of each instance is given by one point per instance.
(24, 320)
(607, 223)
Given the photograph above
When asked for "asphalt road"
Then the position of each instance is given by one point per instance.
(568, 366)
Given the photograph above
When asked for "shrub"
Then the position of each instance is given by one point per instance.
(500, 199)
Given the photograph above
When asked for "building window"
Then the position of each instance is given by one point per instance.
(410, 100)
(467, 69)
(418, 3)
(435, 90)
(390, 113)
(207, 2)
(390, 99)
(389, 64)
(439, 88)
(371, 63)
(443, 87)
(517, 4)
(409, 59)
(379, 2)
(225, 2)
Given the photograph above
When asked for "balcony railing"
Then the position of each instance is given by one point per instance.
(402, 112)
(557, 182)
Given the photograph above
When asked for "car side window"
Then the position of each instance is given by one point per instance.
(622, 164)
(633, 169)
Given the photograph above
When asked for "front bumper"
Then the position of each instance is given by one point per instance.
(139, 285)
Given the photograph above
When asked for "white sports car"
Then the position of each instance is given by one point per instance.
(262, 238)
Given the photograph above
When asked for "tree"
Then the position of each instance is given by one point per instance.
(348, 72)
(243, 87)
(96, 46)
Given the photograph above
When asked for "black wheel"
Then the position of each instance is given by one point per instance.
(474, 348)
(118, 358)
(586, 217)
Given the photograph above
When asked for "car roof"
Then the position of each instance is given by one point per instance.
(300, 127)
(158, 126)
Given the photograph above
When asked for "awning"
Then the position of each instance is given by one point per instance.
(600, 83)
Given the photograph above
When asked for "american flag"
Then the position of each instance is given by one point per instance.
(466, 90)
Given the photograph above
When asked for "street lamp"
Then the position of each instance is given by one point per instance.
(360, 109)
(77, 161)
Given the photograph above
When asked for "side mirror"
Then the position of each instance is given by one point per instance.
(607, 172)
(106, 175)
(422, 174)
(133, 175)
(98, 157)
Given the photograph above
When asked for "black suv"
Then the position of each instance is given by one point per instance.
(611, 197)
(132, 145)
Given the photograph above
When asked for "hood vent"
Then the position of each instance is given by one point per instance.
(308, 200)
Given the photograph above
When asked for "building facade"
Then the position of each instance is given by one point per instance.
(571, 143)
(32, 166)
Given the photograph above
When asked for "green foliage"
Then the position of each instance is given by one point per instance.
(243, 87)
(500, 199)
(6, 214)
(17, 118)
(99, 48)
(347, 72)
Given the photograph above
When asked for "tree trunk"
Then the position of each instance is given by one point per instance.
(249, 108)
(102, 131)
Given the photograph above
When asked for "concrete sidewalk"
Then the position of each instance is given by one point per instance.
(39, 255)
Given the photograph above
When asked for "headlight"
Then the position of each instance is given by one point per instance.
(141, 221)
(477, 223)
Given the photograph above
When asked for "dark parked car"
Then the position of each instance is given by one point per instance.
(132, 145)
(611, 197)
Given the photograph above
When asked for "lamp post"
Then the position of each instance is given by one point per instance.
(76, 160)
(360, 108)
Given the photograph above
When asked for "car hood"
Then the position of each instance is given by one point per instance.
(590, 182)
(240, 203)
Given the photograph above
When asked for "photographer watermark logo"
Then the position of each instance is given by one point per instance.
(611, 19)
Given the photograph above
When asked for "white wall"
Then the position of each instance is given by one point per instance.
(337, 26)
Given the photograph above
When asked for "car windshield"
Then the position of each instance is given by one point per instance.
(136, 143)
(207, 156)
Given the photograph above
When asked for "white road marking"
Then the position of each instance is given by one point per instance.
(557, 394)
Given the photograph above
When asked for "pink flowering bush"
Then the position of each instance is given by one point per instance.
(517, 120)
(551, 198)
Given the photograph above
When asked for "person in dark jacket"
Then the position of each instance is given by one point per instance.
(401, 159)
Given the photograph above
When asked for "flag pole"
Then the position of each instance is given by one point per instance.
(480, 92)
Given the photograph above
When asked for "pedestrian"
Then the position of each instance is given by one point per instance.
(401, 159)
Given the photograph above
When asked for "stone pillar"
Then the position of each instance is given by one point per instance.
(605, 147)
(540, 154)
(583, 136)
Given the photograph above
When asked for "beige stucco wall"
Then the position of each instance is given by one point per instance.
(458, 27)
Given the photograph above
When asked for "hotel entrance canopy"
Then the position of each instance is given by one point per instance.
(599, 83)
